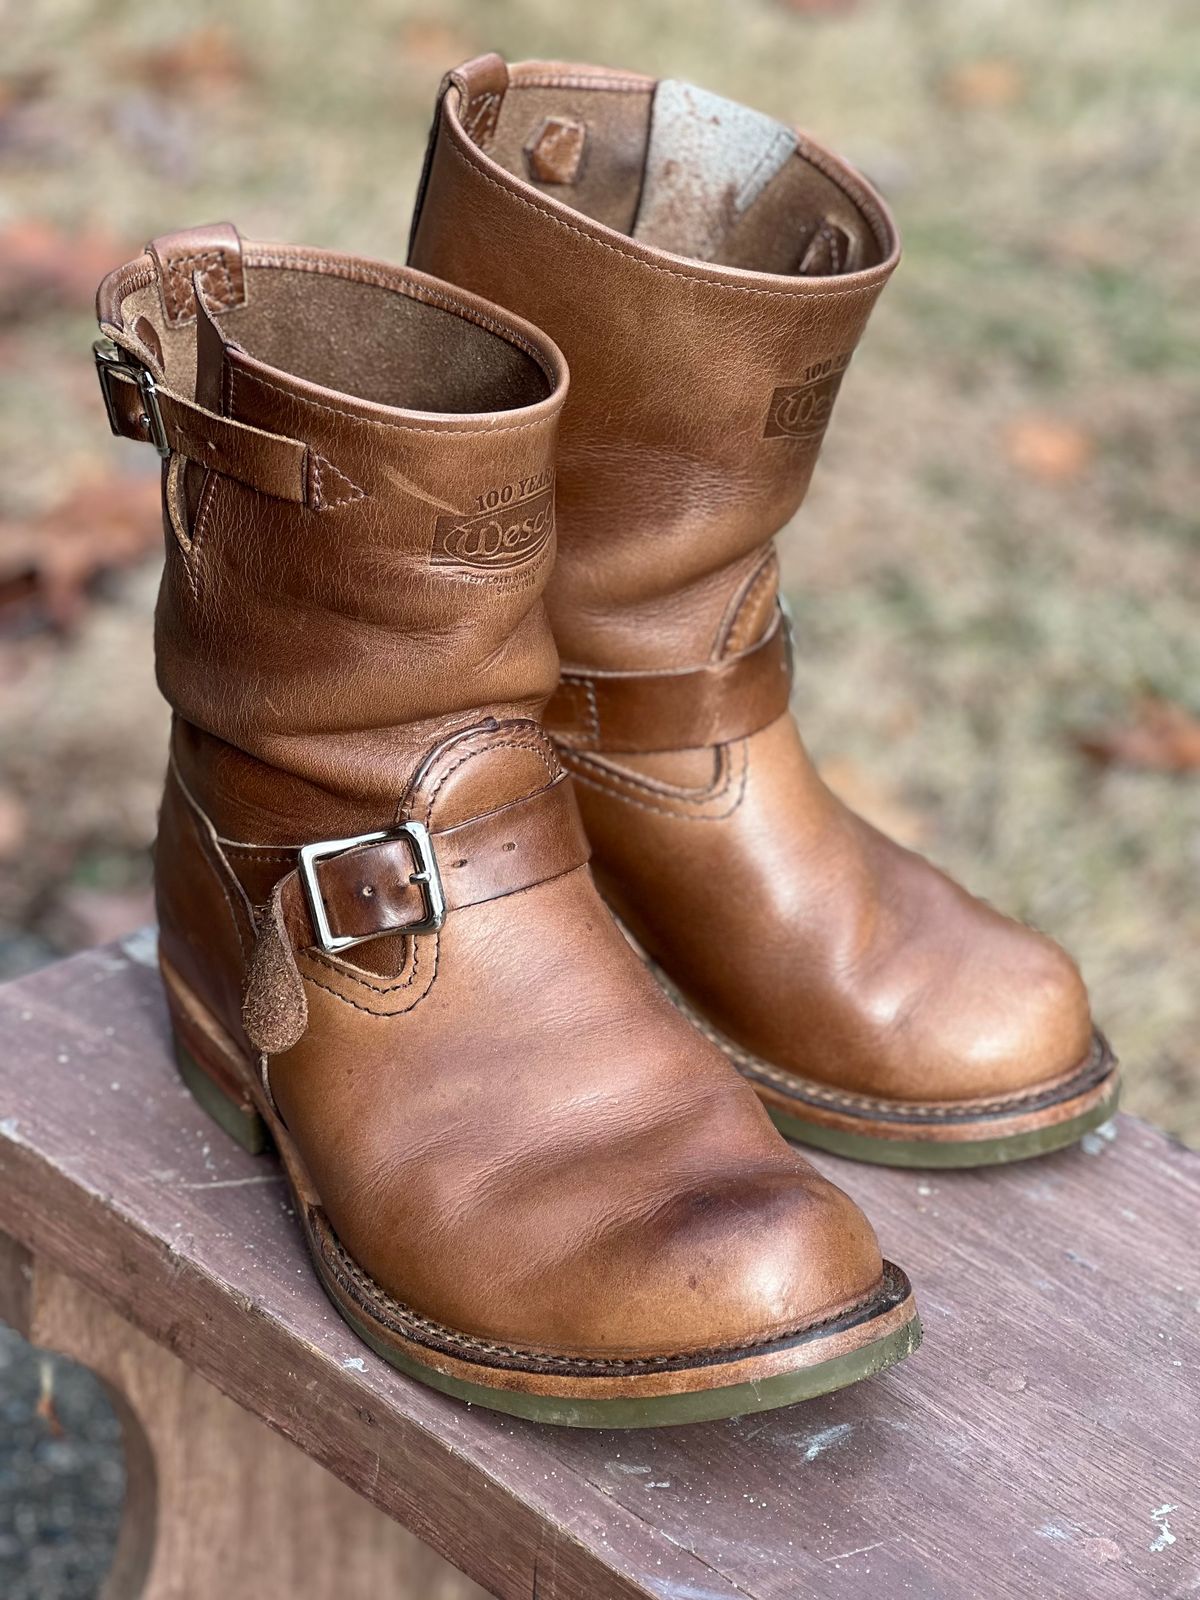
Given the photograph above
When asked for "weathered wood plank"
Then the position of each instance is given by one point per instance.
(1029, 1449)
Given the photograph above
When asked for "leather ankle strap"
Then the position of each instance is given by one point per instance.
(403, 880)
(685, 709)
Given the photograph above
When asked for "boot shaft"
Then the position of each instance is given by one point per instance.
(708, 273)
(358, 507)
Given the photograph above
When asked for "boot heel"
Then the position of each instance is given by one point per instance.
(232, 1111)
(211, 1067)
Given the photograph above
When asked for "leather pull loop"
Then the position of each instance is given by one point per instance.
(142, 409)
(685, 709)
(377, 887)
(211, 254)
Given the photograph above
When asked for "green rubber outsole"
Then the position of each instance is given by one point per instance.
(931, 1154)
(242, 1124)
(707, 1405)
(739, 1399)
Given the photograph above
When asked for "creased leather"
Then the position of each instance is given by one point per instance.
(507, 1125)
(700, 394)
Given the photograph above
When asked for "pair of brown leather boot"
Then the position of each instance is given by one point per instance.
(531, 1160)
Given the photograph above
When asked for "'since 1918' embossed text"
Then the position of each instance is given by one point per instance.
(801, 410)
(508, 526)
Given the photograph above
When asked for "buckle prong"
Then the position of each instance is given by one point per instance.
(115, 365)
(425, 876)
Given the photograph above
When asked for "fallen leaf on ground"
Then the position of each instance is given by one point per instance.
(1048, 448)
(989, 84)
(430, 42)
(41, 266)
(47, 564)
(205, 59)
(1160, 736)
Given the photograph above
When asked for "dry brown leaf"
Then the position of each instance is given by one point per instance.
(206, 59)
(1159, 736)
(47, 564)
(41, 266)
(1048, 448)
(990, 84)
(430, 42)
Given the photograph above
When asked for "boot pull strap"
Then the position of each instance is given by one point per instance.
(141, 408)
(402, 880)
(678, 709)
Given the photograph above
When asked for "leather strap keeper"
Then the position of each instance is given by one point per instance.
(693, 707)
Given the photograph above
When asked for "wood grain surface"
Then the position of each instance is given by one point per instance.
(1043, 1442)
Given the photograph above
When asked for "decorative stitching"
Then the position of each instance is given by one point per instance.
(406, 1315)
(208, 840)
(178, 275)
(767, 574)
(872, 288)
(533, 744)
(375, 422)
(365, 983)
(321, 467)
(572, 757)
(751, 1065)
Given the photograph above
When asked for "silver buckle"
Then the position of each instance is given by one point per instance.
(113, 364)
(427, 876)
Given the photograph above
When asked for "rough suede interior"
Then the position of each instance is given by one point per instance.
(780, 231)
(361, 339)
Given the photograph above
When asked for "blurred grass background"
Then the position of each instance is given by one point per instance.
(995, 578)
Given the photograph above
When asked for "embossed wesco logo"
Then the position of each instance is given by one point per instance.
(508, 526)
(801, 410)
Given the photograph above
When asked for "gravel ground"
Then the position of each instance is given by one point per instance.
(60, 1494)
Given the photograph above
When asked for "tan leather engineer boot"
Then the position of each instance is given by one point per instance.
(523, 1177)
(708, 272)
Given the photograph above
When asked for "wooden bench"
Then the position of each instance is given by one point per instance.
(1043, 1442)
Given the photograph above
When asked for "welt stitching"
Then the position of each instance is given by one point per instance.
(816, 1091)
(653, 266)
(405, 1314)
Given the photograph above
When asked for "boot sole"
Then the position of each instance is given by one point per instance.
(904, 1133)
(829, 1354)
